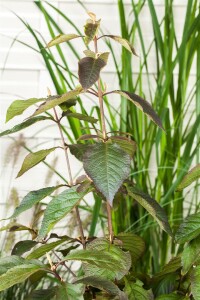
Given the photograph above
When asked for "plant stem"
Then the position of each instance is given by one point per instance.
(109, 212)
(70, 177)
(64, 264)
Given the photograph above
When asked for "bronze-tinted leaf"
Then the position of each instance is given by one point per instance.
(126, 44)
(90, 29)
(61, 38)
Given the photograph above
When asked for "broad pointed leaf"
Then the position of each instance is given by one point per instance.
(189, 178)
(126, 144)
(78, 150)
(90, 30)
(143, 105)
(46, 294)
(19, 106)
(89, 53)
(190, 255)
(9, 262)
(89, 70)
(69, 291)
(32, 159)
(126, 44)
(33, 198)
(19, 273)
(189, 229)
(58, 208)
(152, 206)
(135, 291)
(79, 116)
(23, 246)
(108, 166)
(171, 267)
(53, 101)
(62, 38)
(24, 125)
(195, 282)
(133, 243)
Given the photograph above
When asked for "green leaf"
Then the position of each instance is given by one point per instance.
(19, 274)
(23, 246)
(32, 159)
(19, 106)
(195, 282)
(189, 229)
(39, 252)
(89, 70)
(78, 116)
(135, 291)
(133, 243)
(100, 283)
(32, 198)
(172, 296)
(123, 42)
(90, 30)
(58, 208)
(24, 125)
(9, 262)
(103, 246)
(143, 105)
(43, 294)
(89, 53)
(78, 150)
(189, 178)
(108, 166)
(126, 144)
(13, 226)
(53, 101)
(190, 255)
(62, 38)
(69, 291)
(152, 206)
(171, 267)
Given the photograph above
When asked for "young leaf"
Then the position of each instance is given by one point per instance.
(89, 53)
(189, 229)
(102, 245)
(53, 101)
(32, 198)
(190, 255)
(143, 105)
(135, 290)
(79, 116)
(90, 30)
(126, 144)
(133, 243)
(62, 38)
(24, 125)
(32, 159)
(88, 71)
(22, 247)
(19, 274)
(195, 282)
(123, 42)
(189, 178)
(108, 166)
(58, 208)
(19, 106)
(152, 206)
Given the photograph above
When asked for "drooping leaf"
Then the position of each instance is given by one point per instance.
(53, 101)
(102, 246)
(190, 255)
(79, 116)
(69, 291)
(78, 150)
(189, 178)
(108, 166)
(189, 229)
(32, 198)
(19, 106)
(152, 206)
(46, 294)
(88, 137)
(32, 159)
(135, 291)
(171, 267)
(89, 70)
(67, 250)
(62, 38)
(24, 125)
(123, 42)
(22, 247)
(19, 273)
(141, 104)
(9, 262)
(195, 282)
(126, 144)
(90, 29)
(39, 252)
(133, 243)
(100, 283)
(172, 296)
(13, 226)
(58, 208)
